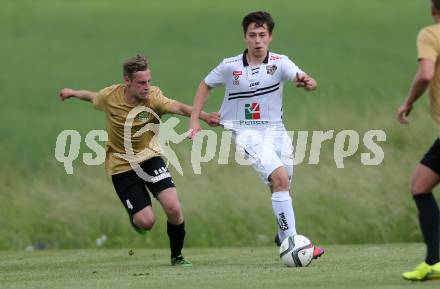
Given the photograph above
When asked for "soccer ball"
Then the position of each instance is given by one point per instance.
(296, 251)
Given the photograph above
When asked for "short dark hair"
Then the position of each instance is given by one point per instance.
(134, 64)
(259, 18)
(436, 4)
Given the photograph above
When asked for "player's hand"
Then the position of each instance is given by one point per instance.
(305, 81)
(194, 128)
(403, 112)
(213, 119)
(66, 93)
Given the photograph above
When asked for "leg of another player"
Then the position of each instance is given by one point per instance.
(175, 225)
(422, 183)
(282, 202)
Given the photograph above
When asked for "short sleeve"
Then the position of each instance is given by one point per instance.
(289, 69)
(427, 45)
(160, 103)
(100, 99)
(217, 76)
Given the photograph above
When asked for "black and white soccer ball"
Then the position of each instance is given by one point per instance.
(296, 251)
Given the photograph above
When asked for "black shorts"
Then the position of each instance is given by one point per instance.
(432, 157)
(132, 190)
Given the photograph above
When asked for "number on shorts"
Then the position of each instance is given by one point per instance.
(129, 205)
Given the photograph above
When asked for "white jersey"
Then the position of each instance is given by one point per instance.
(253, 95)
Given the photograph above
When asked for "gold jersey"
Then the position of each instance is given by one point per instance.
(428, 47)
(122, 116)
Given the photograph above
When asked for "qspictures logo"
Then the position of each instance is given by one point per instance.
(364, 147)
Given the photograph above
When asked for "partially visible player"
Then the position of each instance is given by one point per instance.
(426, 175)
(252, 108)
(116, 102)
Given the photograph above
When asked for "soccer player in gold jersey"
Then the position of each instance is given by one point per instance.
(118, 103)
(426, 175)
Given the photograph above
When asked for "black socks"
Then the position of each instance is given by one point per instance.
(176, 233)
(429, 223)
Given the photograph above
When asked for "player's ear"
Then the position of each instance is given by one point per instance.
(127, 79)
(434, 11)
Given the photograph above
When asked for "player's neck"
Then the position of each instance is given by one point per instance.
(130, 99)
(255, 60)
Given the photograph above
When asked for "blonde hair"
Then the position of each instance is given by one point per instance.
(134, 64)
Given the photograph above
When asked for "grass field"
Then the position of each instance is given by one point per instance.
(361, 52)
(343, 266)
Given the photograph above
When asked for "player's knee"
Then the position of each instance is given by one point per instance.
(418, 188)
(144, 222)
(413, 189)
(280, 183)
(279, 180)
(174, 213)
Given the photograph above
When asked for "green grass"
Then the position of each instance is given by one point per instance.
(361, 52)
(343, 266)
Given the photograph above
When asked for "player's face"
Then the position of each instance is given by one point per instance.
(258, 39)
(139, 85)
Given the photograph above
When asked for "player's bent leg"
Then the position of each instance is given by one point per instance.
(136, 200)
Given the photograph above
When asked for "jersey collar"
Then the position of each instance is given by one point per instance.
(245, 62)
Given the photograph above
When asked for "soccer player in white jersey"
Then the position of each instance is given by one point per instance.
(252, 109)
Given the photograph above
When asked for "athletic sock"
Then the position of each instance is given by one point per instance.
(283, 210)
(429, 224)
(176, 234)
(280, 234)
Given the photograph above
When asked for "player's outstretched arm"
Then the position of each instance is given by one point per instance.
(212, 118)
(199, 101)
(305, 81)
(85, 95)
(424, 75)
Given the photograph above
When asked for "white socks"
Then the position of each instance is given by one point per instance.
(283, 210)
